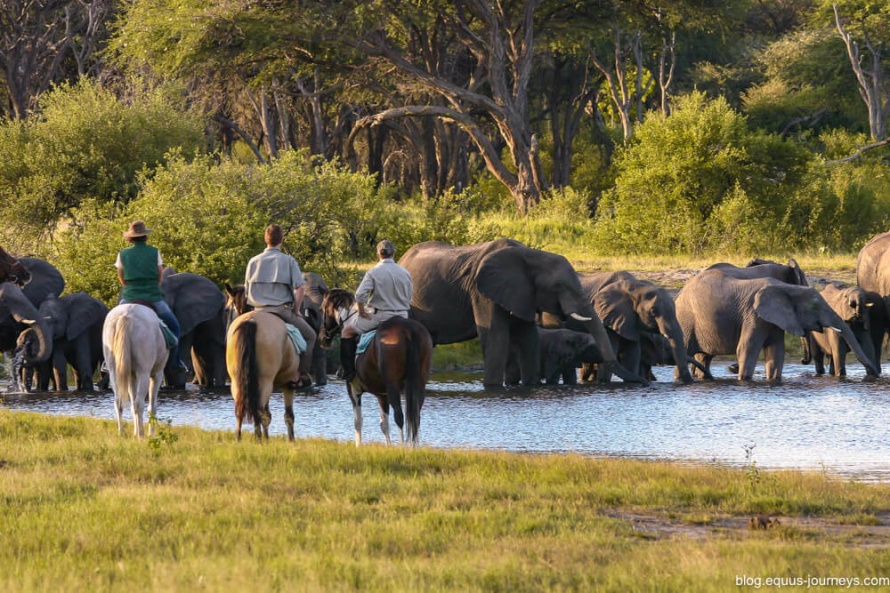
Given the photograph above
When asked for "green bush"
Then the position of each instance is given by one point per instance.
(85, 142)
(684, 177)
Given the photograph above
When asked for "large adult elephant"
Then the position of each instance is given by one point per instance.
(199, 306)
(873, 276)
(494, 291)
(18, 306)
(631, 309)
(76, 324)
(721, 314)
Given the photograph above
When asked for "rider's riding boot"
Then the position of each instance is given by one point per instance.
(348, 346)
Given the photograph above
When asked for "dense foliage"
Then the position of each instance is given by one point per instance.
(593, 126)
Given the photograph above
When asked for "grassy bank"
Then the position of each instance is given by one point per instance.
(86, 510)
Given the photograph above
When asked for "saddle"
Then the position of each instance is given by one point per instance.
(296, 337)
(169, 336)
(364, 341)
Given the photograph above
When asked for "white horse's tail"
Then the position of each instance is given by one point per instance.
(123, 356)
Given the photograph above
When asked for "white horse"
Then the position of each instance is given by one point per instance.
(135, 353)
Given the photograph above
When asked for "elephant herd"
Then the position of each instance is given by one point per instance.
(536, 318)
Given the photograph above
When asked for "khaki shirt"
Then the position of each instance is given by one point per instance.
(386, 287)
(271, 278)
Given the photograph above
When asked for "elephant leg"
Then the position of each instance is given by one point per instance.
(319, 365)
(82, 364)
(495, 342)
(839, 356)
(703, 370)
(60, 368)
(631, 354)
(512, 373)
(525, 336)
(774, 356)
(747, 364)
(569, 375)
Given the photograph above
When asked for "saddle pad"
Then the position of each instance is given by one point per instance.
(296, 337)
(169, 337)
(365, 341)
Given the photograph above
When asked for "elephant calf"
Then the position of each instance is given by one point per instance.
(562, 351)
(725, 315)
(851, 304)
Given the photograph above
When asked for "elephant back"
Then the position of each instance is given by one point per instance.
(45, 280)
(193, 298)
(873, 265)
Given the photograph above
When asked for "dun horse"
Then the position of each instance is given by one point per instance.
(135, 353)
(259, 357)
(398, 359)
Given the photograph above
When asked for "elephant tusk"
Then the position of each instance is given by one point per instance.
(834, 329)
(577, 317)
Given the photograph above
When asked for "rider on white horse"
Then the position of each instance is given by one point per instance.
(140, 269)
(384, 292)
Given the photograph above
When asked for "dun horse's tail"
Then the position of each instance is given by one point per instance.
(123, 357)
(248, 377)
(414, 385)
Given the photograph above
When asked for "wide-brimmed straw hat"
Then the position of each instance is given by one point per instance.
(137, 229)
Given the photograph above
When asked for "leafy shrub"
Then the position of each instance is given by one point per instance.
(85, 142)
(678, 172)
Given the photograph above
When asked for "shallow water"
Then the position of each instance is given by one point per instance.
(834, 425)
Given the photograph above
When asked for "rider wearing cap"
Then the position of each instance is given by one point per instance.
(384, 292)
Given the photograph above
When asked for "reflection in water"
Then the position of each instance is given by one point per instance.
(820, 423)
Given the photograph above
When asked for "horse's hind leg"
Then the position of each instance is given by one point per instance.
(119, 410)
(356, 400)
(154, 386)
(395, 401)
(289, 412)
(139, 386)
(384, 418)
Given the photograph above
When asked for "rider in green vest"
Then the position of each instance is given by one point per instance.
(139, 269)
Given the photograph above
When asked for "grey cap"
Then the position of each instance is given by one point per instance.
(386, 248)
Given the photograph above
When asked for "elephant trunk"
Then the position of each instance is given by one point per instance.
(595, 328)
(674, 334)
(38, 329)
(853, 343)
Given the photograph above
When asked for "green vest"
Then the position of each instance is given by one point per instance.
(140, 262)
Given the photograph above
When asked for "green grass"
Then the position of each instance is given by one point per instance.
(83, 509)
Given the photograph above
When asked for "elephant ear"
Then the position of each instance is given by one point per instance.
(773, 304)
(505, 278)
(798, 273)
(83, 311)
(616, 309)
(193, 298)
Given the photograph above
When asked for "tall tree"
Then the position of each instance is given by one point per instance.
(45, 41)
(491, 105)
(864, 26)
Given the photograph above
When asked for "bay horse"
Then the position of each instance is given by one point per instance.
(398, 359)
(259, 357)
(135, 353)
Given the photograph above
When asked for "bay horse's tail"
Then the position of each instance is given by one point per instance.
(417, 354)
(248, 401)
